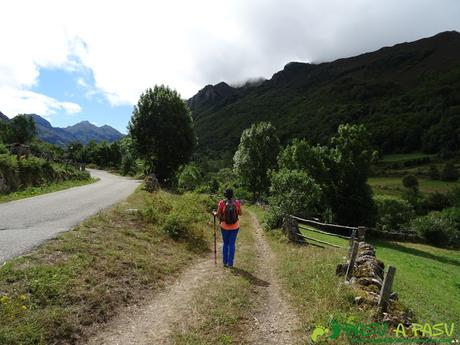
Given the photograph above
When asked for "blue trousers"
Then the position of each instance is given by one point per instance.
(228, 249)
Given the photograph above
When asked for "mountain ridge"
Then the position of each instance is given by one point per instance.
(406, 94)
(83, 131)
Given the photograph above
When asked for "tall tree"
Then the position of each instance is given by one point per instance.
(162, 130)
(21, 129)
(351, 156)
(256, 155)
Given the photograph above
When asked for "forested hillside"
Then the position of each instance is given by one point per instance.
(408, 96)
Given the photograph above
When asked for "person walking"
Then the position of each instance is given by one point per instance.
(228, 211)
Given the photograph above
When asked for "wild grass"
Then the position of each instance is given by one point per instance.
(50, 188)
(79, 279)
(223, 305)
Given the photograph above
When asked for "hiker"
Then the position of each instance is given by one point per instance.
(228, 210)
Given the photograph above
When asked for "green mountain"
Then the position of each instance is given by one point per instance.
(407, 95)
(3, 117)
(82, 132)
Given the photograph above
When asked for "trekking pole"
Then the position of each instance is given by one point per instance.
(215, 242)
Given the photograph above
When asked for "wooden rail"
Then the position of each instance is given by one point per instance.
(324, 242)
(324, 232)
(324, 224)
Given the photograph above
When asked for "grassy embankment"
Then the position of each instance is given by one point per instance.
(427, 278)
(79, 279)
(50, 188)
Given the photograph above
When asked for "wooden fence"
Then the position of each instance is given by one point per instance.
(354, 235)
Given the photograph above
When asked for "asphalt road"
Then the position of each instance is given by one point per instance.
(28, 222)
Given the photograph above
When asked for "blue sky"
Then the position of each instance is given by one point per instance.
(77, 86)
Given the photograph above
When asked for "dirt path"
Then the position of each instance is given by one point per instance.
(151, 323)
(274, 320)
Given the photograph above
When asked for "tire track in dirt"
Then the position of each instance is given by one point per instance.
(152, 322)
(274, 320)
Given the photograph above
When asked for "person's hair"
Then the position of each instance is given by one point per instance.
(228, 193)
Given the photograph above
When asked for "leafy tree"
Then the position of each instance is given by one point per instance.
(351, 158)
(256, 155)
(292, 192)
(162, 130)
(75, 151)
(21, 129)
(115, 155)
(392, 212)
(4, 131)
(410, 182)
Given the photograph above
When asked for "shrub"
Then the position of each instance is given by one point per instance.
(436, 202)
(175, 226)
(438, 228)
(392, 212)
(454, 196)
(410, 182)
(3, 149)
(179, 217)
(188, 177)
(449, 173)
(434, 172)
(292, 192)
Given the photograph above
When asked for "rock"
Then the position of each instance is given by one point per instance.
(341, 269)
(3, 186)
(369, 281)
(394, 296)
(151, 183)
(359, 300)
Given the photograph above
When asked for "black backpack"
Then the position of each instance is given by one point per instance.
(230, 215)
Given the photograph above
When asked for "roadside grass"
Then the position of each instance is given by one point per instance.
(50, 188)
(393, 185)
(427, 279)
(222, 307)
(79, 279)
(308, 275)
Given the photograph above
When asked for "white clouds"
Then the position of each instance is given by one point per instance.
(16, 101)
(130, 46)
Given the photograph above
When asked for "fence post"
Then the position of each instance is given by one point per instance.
(352, 240)
(361, 233)
(386, 289)
(351, 263)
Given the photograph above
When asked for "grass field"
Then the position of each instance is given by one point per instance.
(393, 185)
(427, 278)
(401, 157)
(34, 191)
